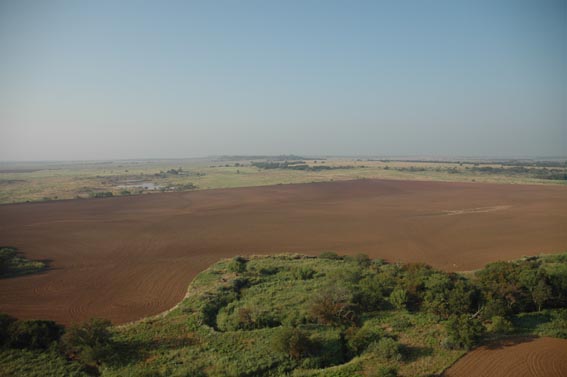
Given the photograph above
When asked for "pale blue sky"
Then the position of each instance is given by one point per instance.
(153, 79)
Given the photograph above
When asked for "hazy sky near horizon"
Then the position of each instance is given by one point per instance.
(172, 79)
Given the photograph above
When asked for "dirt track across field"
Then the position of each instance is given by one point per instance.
(130, 257)
(535, 357)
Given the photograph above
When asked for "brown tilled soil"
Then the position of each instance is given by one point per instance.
(531, 357)
(130, 257)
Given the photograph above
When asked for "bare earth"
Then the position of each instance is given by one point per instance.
(539, 357)
(130, 257)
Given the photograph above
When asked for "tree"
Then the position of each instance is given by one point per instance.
(387, 349)
(414, 277)
(334, 306)
(34, 334)
(399, 298)
(362, 260)
(541, 293)
(558, 281)
(463, 331)
(437, 290)
(6, 256)
(358, 339)
(369, 293)
(462, 297)
(500, 281)
(500, 325)
(294, 342)
(5, 323)
(91, 341)
(237, 264)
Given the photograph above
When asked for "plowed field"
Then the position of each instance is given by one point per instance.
(541, 357)
(129, 257)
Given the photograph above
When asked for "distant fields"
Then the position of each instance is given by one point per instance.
(21, 182)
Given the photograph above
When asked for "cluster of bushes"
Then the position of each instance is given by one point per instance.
(164, 174)
(326, 311)
(467, 307)
(12, 263)
(90, 342)
(185, 187)
(523, 286)
(34, 334)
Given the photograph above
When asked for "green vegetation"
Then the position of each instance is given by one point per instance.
(21, 181)
(90, 342)
(305, 316)
(12, 263)
(298, 165)
(103, 194)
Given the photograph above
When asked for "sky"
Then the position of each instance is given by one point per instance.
(83, 80)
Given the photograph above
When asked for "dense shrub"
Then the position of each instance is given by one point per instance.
(384, 371)
(270, 270)
(329, 255)
(334, 306)
(362, 260)
(387, 349)
(211, 303)
(5, 323)
(399, 298)
(400, 323)
(303, 273)
(294, 342)
(463, 332)
(34, 334)
(6, 256)
(557, 327)
(369, 293)
(327, 349)
(499, 325)
(13, 263)
(250, 317)
(523, 286)
(90, 341)
(237, 264)
(101, 194)
(358, 339)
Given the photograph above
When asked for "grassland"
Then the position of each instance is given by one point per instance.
(21, 182)
(237, 317)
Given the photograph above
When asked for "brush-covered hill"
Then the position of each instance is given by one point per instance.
(309, 316)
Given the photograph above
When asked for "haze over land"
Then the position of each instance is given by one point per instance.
(139, 80)
(283, 188)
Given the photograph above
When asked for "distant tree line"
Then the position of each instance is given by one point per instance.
(283, 157)
(545, 173)
(297, 165)
(538, 173)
